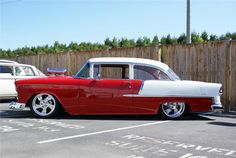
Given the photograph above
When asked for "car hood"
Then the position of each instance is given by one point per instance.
(46, 80)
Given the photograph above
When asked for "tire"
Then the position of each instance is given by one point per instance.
(44, 105)
(172, 110)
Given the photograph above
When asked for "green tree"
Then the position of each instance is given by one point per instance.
(124, 43)
(196, 38)
(170, 40)
(132, 43)
(155, 40)
(233, 36)
(73, 46)
(228, 35)
(146, 41)
(58, 47)
(181, 39)
(115, 43)
(213, 38)
(204, 36)
(139, 42)
(163, 40)
(108, 42)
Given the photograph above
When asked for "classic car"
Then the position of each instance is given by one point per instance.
(11, 71)
(118, 86)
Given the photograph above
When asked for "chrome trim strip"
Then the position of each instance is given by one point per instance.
(137, 95)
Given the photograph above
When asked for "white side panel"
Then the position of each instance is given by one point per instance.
(180, 88)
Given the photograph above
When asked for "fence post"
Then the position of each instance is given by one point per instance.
(228, 75)
(69, 63)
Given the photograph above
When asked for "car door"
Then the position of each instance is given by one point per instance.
(107, 96)
(7, 81)
(106, 92)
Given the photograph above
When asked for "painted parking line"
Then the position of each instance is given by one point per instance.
(100, 132)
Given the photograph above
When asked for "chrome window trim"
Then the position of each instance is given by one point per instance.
(131, 69)
(109, 63)
(155, 67)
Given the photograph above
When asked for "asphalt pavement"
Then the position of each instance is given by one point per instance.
(194, 136)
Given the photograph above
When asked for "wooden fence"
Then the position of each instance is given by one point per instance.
(74, 60)
(210, 62)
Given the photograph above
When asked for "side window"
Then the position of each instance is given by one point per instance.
(149, 73)
(6, 69)
(84, 72)
(24, 71)
(163, 76)
(111, 71)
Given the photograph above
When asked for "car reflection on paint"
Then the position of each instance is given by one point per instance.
(118, 86)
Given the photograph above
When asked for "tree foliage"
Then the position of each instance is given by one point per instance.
(204, 36)
(155, 40)
(108, 43)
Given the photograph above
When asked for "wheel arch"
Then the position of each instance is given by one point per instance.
(186, 111)
(187, 105)
(54, 95)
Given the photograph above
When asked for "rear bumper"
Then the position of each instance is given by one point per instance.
(216, 104)
(16, 106)
(217, 108)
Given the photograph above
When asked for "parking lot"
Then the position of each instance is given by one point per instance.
(194, 136)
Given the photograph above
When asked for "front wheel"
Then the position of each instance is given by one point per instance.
(44, 105)
(172, 110)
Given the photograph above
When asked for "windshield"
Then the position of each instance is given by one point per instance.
(84, 71)
(173, 74)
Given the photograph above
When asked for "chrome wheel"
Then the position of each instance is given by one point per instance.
(173, 109)
(43, 105)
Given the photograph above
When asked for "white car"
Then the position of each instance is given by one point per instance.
(11, 71)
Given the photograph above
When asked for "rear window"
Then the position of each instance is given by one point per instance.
(6, 69)
(149, 73)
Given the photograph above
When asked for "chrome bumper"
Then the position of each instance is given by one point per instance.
(16, 106)
(217, 108)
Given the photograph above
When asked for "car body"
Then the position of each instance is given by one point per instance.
(11, 71)
(118, 86)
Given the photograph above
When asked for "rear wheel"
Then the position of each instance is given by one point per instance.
(172, 110)
(44, 105)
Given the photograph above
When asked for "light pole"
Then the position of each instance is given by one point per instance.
(188, 33)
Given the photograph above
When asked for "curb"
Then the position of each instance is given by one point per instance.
(222, 114)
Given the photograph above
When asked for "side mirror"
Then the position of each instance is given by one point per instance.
(56, 71)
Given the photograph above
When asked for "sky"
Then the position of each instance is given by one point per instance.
(40, 22)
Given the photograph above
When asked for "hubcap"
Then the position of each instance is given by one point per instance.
(174, 109)
(43, 104)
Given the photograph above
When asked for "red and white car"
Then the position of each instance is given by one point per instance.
(118, 86)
